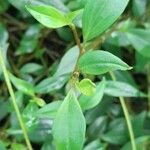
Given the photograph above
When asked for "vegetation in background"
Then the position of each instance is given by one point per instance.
(74, 75)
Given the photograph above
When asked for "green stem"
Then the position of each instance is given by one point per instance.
(148, 78)
(11, 92)
(127, 117)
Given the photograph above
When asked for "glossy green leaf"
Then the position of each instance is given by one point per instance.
(100, 62)
(87, 87)
(71, 118)
(29, 113)
(140, 39)
(88, 102)
(116, 88)
(100, 15)
(48, 16)
(68, 62)
(49, 110)
(51, 84)
(22, 85)
(29, 40)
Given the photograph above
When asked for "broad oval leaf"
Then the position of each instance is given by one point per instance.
(71, 118)
(88, 102)
(47, 15)
(99, 15)
(117, 88)
(100, 62)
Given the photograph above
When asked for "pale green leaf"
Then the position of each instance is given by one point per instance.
(88, 102)
(47, 15)
(86, 86)
(70, 117)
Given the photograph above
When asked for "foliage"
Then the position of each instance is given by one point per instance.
(75, 74)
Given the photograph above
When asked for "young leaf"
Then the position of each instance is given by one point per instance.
(87, 87)
(71, 118)
(100, 62)
(88, 102)
(47, 15)
(49, 110)
(39, 101)
(22, 85)
(72, 15)
(116, 88)
(99, 15)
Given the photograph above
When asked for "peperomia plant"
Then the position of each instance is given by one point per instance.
(87, 71)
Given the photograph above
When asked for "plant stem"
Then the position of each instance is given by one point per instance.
(127, 117)
(73, 28)
(11, 92)
(148, 78)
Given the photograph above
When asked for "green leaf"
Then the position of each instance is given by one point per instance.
(72, 15)
(47, 15)
(88, 102)
(87, 87)
(99, 15)
(140, 39)
(140, 143)
(95, 145)
(99, 62)
(71, 118)
(30, 40)
(3, 6)
(49, 110)
(116, 88)
(2, 145)
(31, 68)
(29, 113)
(51, 84)
(39, 101)
(22, 85)
(139, 7)
(68, 62)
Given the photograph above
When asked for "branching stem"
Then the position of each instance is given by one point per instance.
(11, 92)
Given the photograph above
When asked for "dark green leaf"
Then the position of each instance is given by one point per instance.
(100, 62)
